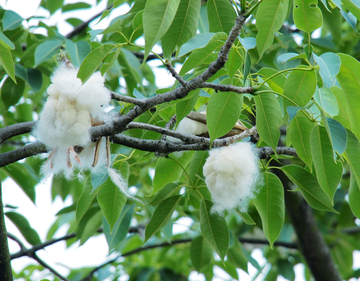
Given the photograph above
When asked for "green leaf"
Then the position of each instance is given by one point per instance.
(186, 105)
(327, 171)
(300, 135)
(269, 19)
(111, 200)
(290, 56)
(47, 50)
(205, 54)
(337, 134)
(277, 82)
(6, 61)
(214, 228)
(196, 168)
(19, 173)
(200, 252)
(121, 227)
(167, 191)
(353, 7)
(52, 5)
(162, 215)
(77, 51)
(11, 20)
(246, 217)
(349, 79)
(309, 187)
(237, 256)
(24, 227)
(234, 62)
(158, 16)
(169, 170)
(329, 67)
(326, 99)
(6, 42)
(270, 204)
(93, 60)
(11, 92)
(268, 118)
(221, 15)
(197, 42)
(300, 86)
(354, 196)
(114, 27)
(183, 27)
(99, 177)
(30, 75)
(85, 200)
(343, 116)
(109, 61)
(91, 226)
(352, 153)
(222, 113)
(76, 6)
(307, 15)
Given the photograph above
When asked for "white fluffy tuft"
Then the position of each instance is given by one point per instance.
(231, 173)
(191, 127)
(66, 117)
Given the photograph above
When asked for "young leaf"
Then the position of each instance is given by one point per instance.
(268, 118)
(93, 60)
(121, 227)
(354, 196)
(186, 105)
(158, 16)
(300, 131)
(197, 42)
(196, 167)
(111, 200)
(200, 252)
(24, 227)
(205, 54)
(352, 153)
(327, 171)
(234, 62)
(237, 256)
(47, 50)
(214, 228)
(11, 92)
(326, 99)
(337, 134)
(329, 67)
(77, 51)
(162, 215)
(300, 86)
(167, 191)
(11, 20)
(309, 187)
(6, 61)
(221, 15)
(307, 15)
(168, 170)
(183, 27)
(85, 200)
(349, 78)
(277, 82)
(270, 204)
(222, 113)
(269, 19)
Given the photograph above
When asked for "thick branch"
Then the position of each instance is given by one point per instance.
(21, 153)
(228, 88)
(310, 241)
(15, 130)
(5, 265)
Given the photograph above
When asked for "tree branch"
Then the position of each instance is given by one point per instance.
(15, 130)
(228, 88)
(5, 265)
(311, 243)
(45, 265)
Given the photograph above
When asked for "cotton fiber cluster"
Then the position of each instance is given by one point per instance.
(231, 173)
(191, 127)
(67, 115)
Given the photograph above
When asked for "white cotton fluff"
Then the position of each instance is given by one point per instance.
(230, 175)
(189, 127)
(66, 117)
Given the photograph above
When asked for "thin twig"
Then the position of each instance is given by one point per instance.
(45, 265)
(228, 88)
(175, 74)
(127, 99)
